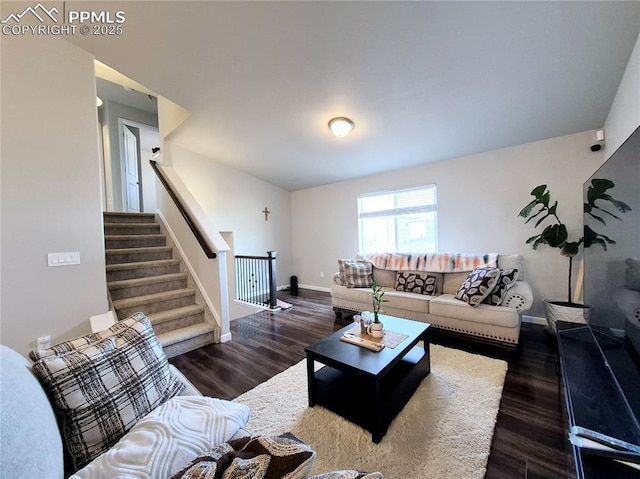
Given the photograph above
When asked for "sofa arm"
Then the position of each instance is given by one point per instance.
(519, 296)
(337, 279)
(628, 301)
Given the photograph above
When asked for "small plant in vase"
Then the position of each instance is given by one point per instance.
(377, 293)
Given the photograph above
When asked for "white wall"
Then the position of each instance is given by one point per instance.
(50, 191)
(624, 115)
(479, 198)
(234, 201)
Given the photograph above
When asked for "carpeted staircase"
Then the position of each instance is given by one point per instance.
(145, 273)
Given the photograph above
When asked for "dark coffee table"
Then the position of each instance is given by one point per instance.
(366, 387)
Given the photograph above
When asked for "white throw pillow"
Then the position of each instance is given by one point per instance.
(168, 438)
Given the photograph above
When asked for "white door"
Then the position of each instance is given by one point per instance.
(132, 179)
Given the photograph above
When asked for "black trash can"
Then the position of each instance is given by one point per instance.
(294, 285)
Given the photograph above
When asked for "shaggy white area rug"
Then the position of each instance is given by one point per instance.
(444, 431)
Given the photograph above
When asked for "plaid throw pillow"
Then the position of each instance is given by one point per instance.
(356, 274)
(506, 279)
(101, 390)
(478, 285)
(414, 282)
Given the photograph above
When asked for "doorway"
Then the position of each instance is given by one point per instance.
(138, 179)
(129, 128)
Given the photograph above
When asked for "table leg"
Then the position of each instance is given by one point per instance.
(378, 428)
(311, 381)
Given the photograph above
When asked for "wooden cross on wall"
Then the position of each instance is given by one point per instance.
(266, 213)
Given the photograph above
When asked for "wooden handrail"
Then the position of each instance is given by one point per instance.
(185, 214)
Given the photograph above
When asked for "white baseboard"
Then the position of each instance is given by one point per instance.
(314, 288)
(225, 338)
(534, 320)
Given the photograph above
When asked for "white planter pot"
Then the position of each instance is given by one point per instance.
(558, 310)
(376, 330)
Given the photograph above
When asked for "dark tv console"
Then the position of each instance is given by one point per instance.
(594, 399)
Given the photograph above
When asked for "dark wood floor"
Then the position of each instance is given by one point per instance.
(528, 439)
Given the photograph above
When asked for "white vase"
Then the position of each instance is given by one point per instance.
(558, 310)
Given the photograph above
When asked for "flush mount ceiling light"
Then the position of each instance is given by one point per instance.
(98, 101)
(341, 126)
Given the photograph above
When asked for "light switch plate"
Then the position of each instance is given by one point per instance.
(63, 259)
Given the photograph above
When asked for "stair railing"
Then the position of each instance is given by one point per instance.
(193, 226)
(256, 279)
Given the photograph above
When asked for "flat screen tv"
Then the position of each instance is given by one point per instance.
(611, 283)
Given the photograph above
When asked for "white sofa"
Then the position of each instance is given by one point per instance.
(495, 324)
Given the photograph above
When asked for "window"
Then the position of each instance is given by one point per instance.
(403, 221)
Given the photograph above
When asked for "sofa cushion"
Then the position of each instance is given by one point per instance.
(384, 277)
(356, 274)
(452, 281)
(101, 390)
(506, 280)
(478, 285)
(361, 299)
(259, 457)
(415, 282)
(448, 306)
(168, 438)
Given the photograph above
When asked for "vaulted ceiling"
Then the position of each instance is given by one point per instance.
(423, 81)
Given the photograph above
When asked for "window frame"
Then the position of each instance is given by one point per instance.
(398, 211)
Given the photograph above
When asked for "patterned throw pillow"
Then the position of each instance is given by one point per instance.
(506, 279)
(478, 285)
(255, 457)
(356, 274)
(101, 390)
(414, 282)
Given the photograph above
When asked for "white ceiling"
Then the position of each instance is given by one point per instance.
(423, 81)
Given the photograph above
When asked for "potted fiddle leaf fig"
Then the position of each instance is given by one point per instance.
(555, 235)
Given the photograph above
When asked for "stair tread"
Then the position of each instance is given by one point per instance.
(146, 249)
(134, 236)
(134, 282)
(168, 315)
(183, 334)
(114, 215)
(154, 297)
(131, 225)
(142, 264)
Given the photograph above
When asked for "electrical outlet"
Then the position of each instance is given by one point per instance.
(322, 274)
(44, 342)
